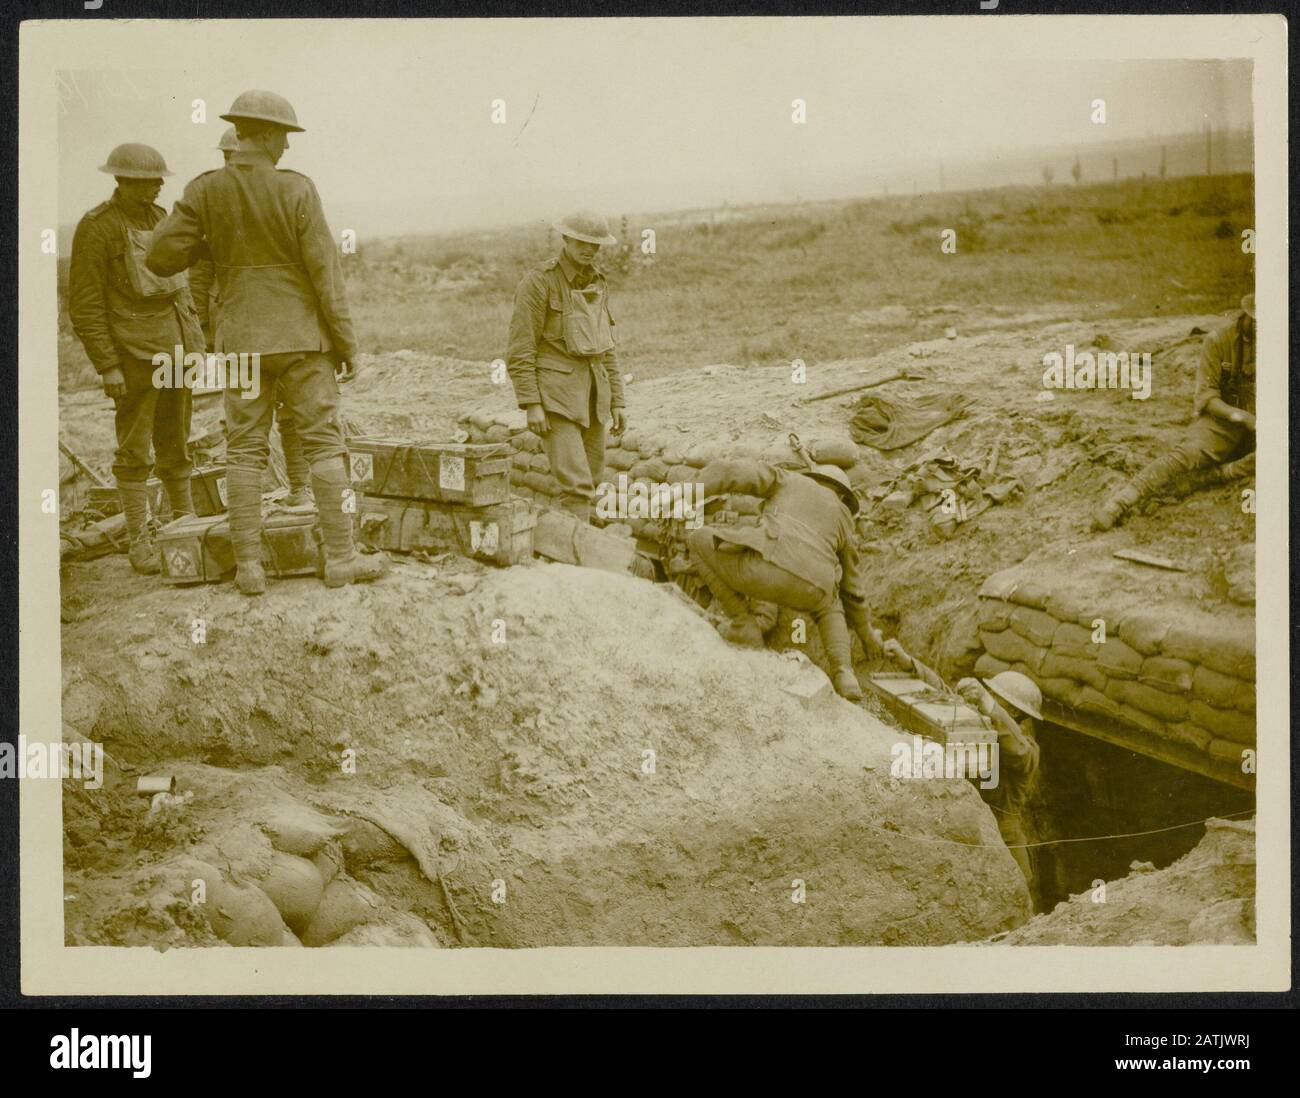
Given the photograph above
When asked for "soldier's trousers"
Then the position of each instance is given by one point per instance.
(577, 457)
(732, 575)
(153, 427)
(1208, 442)
(305, 382)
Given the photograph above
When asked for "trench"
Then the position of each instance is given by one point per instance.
(1088, 789)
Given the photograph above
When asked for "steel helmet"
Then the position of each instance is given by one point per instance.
(229, 140)
(134, 161)
(1020, 690)
(586, 226)
(263, 106)
(837, 478)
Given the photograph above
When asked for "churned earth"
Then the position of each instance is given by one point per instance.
(540, 755)
(500, 720)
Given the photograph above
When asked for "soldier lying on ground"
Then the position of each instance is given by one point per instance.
(802, 555)
(1010, 705)
(1224, 427)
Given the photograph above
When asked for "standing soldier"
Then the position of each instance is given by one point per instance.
(203, 286)
(124, 315)
(1224, 427)
(802, 555)
(283, 300)
(563, 363)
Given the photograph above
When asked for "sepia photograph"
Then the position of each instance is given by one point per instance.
(745, 484)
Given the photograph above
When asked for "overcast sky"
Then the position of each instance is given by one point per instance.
(623, 115)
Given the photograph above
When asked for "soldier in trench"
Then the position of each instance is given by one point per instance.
(802, 554)
(1010, 703)
(1221, 440)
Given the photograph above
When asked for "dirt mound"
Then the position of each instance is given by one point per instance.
(1207, 897)
(544, 755)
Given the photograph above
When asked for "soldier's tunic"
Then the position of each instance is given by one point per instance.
(562, 356)
(123, 317)
(281, 292)
(1226, 370)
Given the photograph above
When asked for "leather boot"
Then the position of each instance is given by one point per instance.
(244, 508)
(1237, 470)
(141, 552)
(343, 564)
(1112, 512)
(179, 495)
(835, 640)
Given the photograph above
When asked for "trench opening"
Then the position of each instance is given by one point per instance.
(1089, 789)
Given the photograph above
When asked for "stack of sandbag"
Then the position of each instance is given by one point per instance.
(1168, 669)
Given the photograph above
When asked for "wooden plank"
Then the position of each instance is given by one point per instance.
(1181, 755)
(1139, 557)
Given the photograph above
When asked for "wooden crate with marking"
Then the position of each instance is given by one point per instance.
(501, 533)
(476, 475)
(197, 548)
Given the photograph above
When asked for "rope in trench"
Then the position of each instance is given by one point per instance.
(1057, 842)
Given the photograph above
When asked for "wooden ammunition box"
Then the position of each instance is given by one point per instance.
(472, 475)
(501, 533)
(197, 549)
(921, 709)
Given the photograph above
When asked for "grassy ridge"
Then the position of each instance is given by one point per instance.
(771, 284)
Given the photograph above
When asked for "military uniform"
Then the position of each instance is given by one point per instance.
(802, 554)
(562, 355)
(203, 288)
(1018, 757)
(1227, 371)
(123, 317)
(281, 297)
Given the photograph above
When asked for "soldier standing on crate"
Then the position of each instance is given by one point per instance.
(1010, 703)
(124, 314)
(1222, 437)
(802, 555)
(563, 363)
(282, 298)
(203, 286)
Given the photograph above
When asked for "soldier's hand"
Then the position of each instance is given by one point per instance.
(1248, 421)
(114, 383)
(345, 371)
(971, 691)
(897, 653)
(537, 421)
(620, 422)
